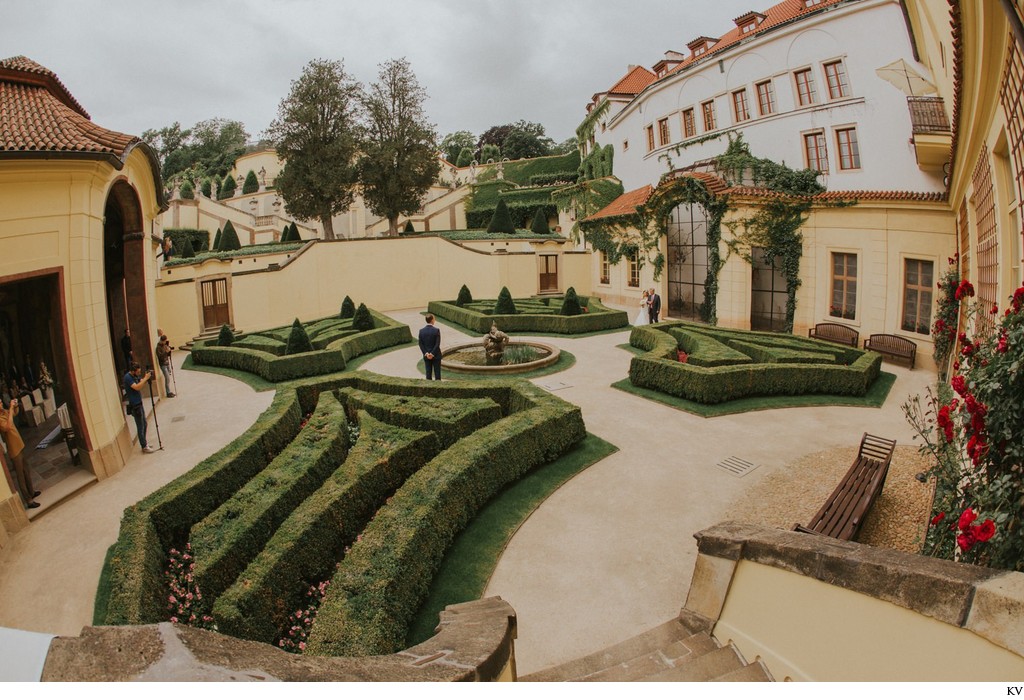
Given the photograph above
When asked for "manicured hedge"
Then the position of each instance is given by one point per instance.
(200, 238)
(308, 544)
(383, 580)
(225, 541)
(597, 318)
(784, 365)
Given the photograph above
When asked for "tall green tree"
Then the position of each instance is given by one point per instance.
(399, 161)
(317, 134)
(211, 146)
(454, 143)
(465, 158)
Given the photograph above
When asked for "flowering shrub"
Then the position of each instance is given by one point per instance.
(946, 312)
(301, 621)
(972, 429)
(185, 603)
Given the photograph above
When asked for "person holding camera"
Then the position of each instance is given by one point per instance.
(16, 451)
(134, 380)
(163, 356)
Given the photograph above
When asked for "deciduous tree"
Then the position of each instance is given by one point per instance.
(399, 161)
(317, 133)
(454, 143)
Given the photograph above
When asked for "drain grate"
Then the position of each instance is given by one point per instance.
(555, 386)
(736, 466)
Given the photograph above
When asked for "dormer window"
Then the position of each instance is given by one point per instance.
(700, 45)
(749, 22)
(812, 3)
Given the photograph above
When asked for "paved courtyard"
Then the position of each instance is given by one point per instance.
(609, 555)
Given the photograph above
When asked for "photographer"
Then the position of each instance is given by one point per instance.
(134, 380)
(163, 356)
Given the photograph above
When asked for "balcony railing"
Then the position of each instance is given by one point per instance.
(928, 115)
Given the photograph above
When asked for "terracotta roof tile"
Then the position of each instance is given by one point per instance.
(714, 183)
(633, 82)
(624, 204)
(37, 113)
(847, 195)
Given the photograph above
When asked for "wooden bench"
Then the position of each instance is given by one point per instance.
(835, 333)
(892, 346)
(844, 511)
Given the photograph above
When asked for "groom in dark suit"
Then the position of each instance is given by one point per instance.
(655, 306)
(430, 346)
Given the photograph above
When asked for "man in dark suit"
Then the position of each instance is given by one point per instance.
(430, 346)
(655, 308)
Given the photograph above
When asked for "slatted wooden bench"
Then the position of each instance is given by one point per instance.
(835, 333)
(892, 346)
(843, 513)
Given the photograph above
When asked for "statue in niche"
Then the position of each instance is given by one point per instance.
(494, 345)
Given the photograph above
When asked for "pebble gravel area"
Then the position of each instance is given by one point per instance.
(794, 493)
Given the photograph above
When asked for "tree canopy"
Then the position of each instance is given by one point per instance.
(208, 148)
(399, 161)
(317, 133)
(521, 139)
(454, 143)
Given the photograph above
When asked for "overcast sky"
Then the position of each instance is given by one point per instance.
(139, 64)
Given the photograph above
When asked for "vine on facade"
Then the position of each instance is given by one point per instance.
(586, 128)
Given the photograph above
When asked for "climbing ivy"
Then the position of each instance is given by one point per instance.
(586, 128)
(586, 198)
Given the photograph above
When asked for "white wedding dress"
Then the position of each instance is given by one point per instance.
(642, 318)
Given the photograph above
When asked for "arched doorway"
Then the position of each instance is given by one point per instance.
(687, 260)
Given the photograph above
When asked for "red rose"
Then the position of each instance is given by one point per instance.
(994, 309)
(959, 384)
(946, 423)
(938, 518)
(965, 540)
(985, 531)
(966, 518)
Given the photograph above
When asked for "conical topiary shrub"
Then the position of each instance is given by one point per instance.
(298, 340)
(251, 184)
(216, 241)
(205, 187)
(187, 249)
(362, 320)
(464, 297)
(409, 228)
(294, 235)
(571, 304)
(505, 304)
(227, 188)
(187, 191)
(228, 238)
(348, 308)
(540, 223)
(225, 337)
(501, 222)
(284, 234)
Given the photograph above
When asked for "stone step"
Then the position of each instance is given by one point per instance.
(751, 673)
(650, 641)
(706, 667)
(655, 662)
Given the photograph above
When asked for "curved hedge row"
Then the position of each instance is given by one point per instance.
(341, 347)
(727, 364)
(598, 318)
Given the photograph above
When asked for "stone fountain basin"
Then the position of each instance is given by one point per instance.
(551, 359)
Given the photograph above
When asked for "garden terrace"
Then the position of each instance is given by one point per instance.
(243, 252)
(334, 342)
(535, 314)
(725, 364)
(528, 170)
(368, 492)
(522, 203)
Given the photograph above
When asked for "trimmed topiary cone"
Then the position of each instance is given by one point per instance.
(464, 297)
(409, 228)
(251, 184)
(228, 238)
(225, 337)
(285, 232)
(298, 340)
(540, 223)
(216, 240)
(187, 250)
(571, 304)
(295, 233)
(501, 222)
(348, 308)
(505, 305)
(362, 321)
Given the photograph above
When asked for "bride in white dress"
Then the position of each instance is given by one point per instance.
(643, 317)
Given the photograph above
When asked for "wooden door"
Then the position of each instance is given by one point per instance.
(549, 273)
(215, 303)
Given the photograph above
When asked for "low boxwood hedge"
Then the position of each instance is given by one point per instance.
(765, 364)
(597, 318)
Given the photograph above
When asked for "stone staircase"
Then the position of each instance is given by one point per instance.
(668, 653)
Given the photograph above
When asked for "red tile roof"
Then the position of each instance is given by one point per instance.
(624, 204)
(712, 182)
(848, 195)
(633, 82)
(38, 114)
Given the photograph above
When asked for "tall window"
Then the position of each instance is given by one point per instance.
(918, 281)
(689, 125)
(765, 98)
(849, 152)
(663, 135)
(987, 248)
(650, 137)
(708, 108)
(739, 105)
(844, 285)
(606, 268)
(835, 75)
(634, 270)
(814, 151)
(804, 87)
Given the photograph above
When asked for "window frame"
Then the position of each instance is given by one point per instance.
(664, 135)
(649, 130)
(770, 93)
(842, 79)
(854, 146)
(689, 129)
(604, 268)
(844, 279)
(821, 147)
(633, 272)
(811, 93)
(708, 112)
(921, 289)
(739, 101)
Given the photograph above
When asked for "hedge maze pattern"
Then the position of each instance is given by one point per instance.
(287, 504)
(725, 364)
(335, 342)
(537, 314)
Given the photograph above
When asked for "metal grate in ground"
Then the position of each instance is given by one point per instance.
(736, 466)
(554, 386)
